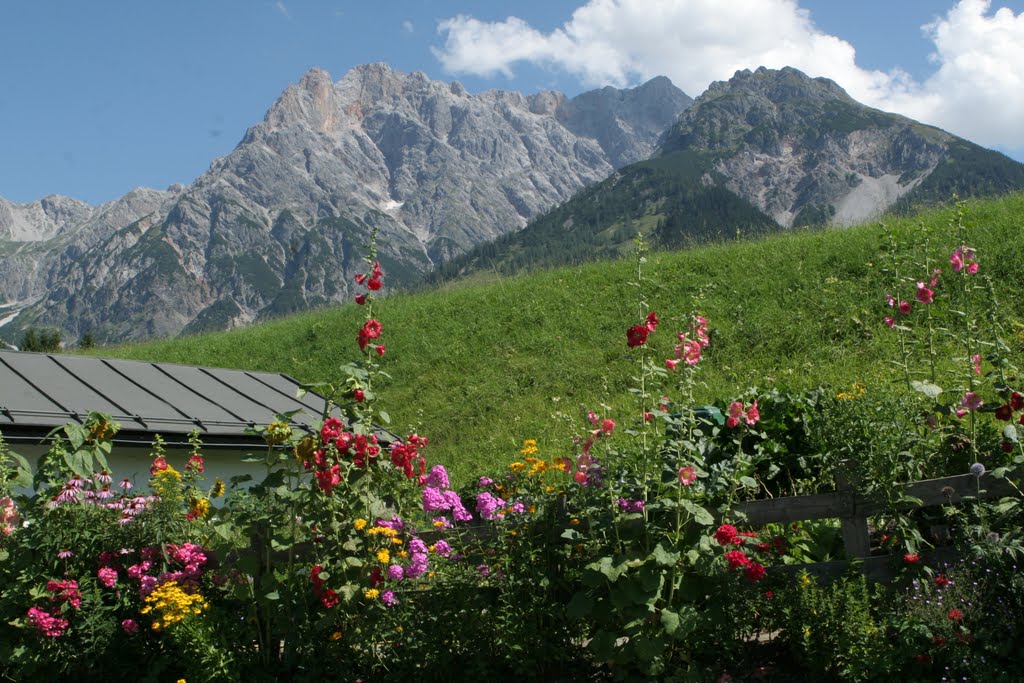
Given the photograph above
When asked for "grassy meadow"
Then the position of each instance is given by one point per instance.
(479, 366)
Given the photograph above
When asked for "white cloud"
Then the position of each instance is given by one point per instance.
(407, 26)
(977, 89)
(283, 9)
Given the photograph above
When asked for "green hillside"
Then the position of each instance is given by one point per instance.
(478, 367)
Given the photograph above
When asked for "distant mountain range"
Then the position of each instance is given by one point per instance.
(280, 223)
(765, 151)
(458, 182)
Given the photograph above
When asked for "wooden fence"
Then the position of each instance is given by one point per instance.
(853, 509)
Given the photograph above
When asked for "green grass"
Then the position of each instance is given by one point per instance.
(480, 366)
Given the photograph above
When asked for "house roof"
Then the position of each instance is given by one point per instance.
(40, 391)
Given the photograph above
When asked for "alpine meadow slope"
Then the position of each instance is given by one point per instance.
(479, 367)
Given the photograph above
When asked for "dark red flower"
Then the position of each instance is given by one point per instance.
(955, 615)
(358, 395)
(652, 321)
(1004, 412)
(360, 278)
(737, 559)
(360, 299)
(637, 335)
(941, 580)
(1017, 401)
(329, 599)
(754, 571)
(380, 348)
(725, 534)
(374, 284)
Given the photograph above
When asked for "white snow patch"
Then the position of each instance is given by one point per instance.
(12, 316)
(391, 205)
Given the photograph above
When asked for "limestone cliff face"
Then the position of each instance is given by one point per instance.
(280, 223)
(803, 151)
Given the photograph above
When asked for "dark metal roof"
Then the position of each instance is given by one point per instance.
(40, 391)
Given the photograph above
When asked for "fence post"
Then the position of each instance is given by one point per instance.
(856, 540)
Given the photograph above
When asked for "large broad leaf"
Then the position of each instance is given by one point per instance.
(1010, 433)
(664, 557)
(927, 388)
(700, 515)
(579, 606)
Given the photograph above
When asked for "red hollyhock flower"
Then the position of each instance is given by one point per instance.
(941, 580)
(360, 299)
(376, 270)
(380, 348)
(373, 328)
(374, 284)
(1004, 412)
(637, 335)
(360, 278)
(159, 465)
(358, 395)
(912, 558)
(329, 599)
(725, 534)
(1017, 401)
(754, 571)
(955, 615)
(736, 559)
(652, 321)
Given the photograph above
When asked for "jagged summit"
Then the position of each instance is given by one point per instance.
(278, 224)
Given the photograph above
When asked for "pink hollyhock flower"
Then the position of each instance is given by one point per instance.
(890, 321)
(607, 426)
(976, 363)
(905, 307)
(159, 465)
(652, 321)
(890, 300)
(692, 351)
(195, 463)
(959, 412)
(360, 299)
(594, 419)
(752, 414)
(130, 626)
(912, 558)
(935, 277)
(924, 295)
(671, 363)
(648, 416)
(735, 414)
(957, 260)
(332, 429)
(971, 401)
(9, 518)
(636, 335)
(687, 475)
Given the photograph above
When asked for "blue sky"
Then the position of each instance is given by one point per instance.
(97, 98)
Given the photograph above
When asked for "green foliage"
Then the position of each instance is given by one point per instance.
(41, 340)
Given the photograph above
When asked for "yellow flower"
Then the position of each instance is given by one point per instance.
(439, 524)
(336, 635)
(217, 490)
(382, 531)
(277, 432)
(201, 508)
(396, 541)
(517, 466)
(383, 556)
(402, 554)
(166, 481)
(371, 594)
(529, 447)
(172, 604)
(807, 631)
(360, 524)
(574, 522)
(805, 580)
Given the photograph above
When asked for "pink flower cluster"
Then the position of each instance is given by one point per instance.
(964, 258)
(630, 505)
(490, 506)
(738, 412)
(97, 491)
(9, 517)
(49, 625)
(691, 345)
(925, 294)
(187, 562)
(437, 497)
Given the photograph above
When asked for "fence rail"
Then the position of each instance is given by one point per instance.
(853, 509)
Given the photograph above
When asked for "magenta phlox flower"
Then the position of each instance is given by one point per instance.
(490, 506)
(107, 576)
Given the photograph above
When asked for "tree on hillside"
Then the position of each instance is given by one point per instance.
(45, 341)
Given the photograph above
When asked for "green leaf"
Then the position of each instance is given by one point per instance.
(700, 515)
(664, 557)
(748, 482)
(927, 388)
(669, 621)
(273, 595)
(579, 606)
(384, 417)
(1010, 433)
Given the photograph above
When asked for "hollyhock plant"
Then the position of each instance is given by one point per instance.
(687, 475)
(971, 401)
(637, 335)
(924, 294)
